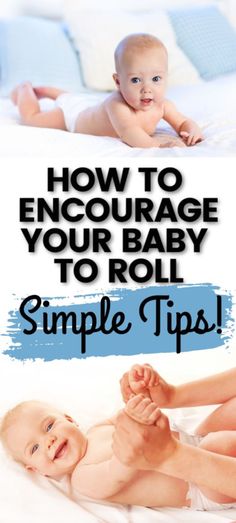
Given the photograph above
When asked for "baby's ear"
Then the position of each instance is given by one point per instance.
(116, 79)
(31, 469)
(69, 418)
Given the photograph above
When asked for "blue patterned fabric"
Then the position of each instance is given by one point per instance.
(207, 38)
(36, 50)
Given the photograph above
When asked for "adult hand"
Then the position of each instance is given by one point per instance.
(142, 446)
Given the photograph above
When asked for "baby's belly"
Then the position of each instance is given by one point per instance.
(153, 489)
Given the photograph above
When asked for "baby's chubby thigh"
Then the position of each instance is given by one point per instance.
(222, 442)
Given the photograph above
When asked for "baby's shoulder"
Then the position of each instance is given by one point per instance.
(168, 106)
(109, 422)
(116, 101)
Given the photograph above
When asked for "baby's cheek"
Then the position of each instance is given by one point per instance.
(134, 99)
(132, 93)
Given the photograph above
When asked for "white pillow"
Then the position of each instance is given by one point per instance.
(228, 7)
(173, 4)
(130, 5)
(96, 34)
(48, 8)
(124, 5)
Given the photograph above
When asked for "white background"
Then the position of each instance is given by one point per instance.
(23, 274)
(202, 178)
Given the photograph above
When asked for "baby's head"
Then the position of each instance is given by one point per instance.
(141, 70)
(42, 438)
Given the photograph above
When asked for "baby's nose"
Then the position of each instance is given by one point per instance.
(50, 441)
(146, 88)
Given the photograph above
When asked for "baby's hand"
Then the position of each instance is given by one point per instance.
(144, 379)
(137, 380)
(141, 378)
(192, 137)
(142, 410)
(165, 140)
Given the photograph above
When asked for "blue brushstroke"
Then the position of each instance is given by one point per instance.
(139, 339)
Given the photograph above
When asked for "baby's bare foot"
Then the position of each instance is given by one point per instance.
(18, 89)
(47, 92)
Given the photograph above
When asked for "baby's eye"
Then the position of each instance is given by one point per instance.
(49, 426)
(156, 78)
(34, 448)
(135, 80)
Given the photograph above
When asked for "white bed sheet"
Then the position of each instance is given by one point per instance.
(89, 390)
(212, 104)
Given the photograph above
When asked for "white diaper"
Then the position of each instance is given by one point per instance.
(73, 104)
(198, 500)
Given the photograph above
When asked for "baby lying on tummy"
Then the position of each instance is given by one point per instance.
(131, 113)
(49, 442)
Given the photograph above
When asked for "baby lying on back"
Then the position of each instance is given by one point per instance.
(51, 443)
(132, 113)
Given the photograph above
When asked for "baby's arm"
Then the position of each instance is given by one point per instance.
(124, 122)
(185, 127)
(102, 480)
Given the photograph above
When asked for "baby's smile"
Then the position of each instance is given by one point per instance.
(146, 101)
(61, 450)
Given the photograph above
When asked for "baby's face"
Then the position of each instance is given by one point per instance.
(142, 78)
(45, 440)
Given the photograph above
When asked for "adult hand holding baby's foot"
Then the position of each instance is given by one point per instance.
(143, 446)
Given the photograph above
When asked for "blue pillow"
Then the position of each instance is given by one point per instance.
(207, 38)
(36, 50)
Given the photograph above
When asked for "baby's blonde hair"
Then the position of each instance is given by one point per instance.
(136, 43)
(10, 417)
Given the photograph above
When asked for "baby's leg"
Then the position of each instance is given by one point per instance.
(26, 100)
(223, 442)
(222, 418)
(48, 92)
